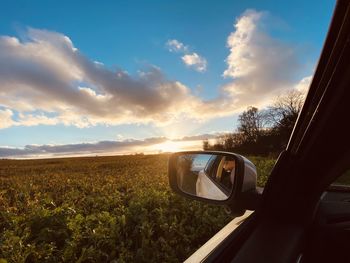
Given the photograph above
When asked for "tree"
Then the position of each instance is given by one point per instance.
(286, 106)
(250, 124)
(283, 114)
(263, 132)
(206, 145)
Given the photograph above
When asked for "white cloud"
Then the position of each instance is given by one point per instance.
(304, 84)
(44, 72)
(242, 45)
(6, 118)
(190, 59)
(176, 46)
(194, 60)
(46, 80)
(259, 64)
(261, 67)
(37, 119)
(120, 136)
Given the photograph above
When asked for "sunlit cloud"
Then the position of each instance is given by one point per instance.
(195, 61)
(190, 59)
(260, 65)
(6, 118)
(45, 74)
(174, 45)
(304, 84)
(46, 80)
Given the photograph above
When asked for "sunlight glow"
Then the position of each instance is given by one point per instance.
(168, 146)
(176, 146)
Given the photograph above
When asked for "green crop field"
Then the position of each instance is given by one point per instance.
(101, 209)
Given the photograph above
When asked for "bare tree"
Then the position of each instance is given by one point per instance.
(265, 131)
(206, 145)
(283, 114)
(250, 124)
(285, 106)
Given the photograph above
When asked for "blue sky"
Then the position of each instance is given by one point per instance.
(162, 90)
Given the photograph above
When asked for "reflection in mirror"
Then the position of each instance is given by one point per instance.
(209, 176)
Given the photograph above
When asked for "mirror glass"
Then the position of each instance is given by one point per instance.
(208, 176)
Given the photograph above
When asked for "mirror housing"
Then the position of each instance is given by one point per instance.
(204, 167)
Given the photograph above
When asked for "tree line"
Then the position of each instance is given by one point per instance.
(262, 132)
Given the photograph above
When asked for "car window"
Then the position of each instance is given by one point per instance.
(220, 174)
(210, 166)
(226, 171)
(214, 168)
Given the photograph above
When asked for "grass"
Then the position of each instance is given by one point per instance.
(101, 209)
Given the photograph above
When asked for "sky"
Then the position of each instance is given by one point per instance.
(87, 78)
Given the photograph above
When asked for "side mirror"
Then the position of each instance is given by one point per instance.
(214, 177)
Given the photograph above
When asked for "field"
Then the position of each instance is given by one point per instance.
(101, 209)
